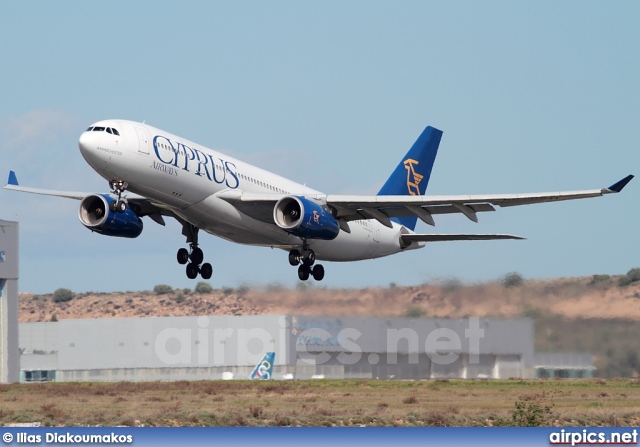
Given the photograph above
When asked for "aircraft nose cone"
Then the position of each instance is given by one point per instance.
(86, 144)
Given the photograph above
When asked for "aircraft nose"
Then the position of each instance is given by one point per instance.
(85, 143)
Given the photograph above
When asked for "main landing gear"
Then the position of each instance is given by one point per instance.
(118, 187)
(305, 260)
(194, 257)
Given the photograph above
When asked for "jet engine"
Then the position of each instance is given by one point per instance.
(95, 214)
(305, 218)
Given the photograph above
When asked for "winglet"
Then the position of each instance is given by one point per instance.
(617, 187)
(13, 180)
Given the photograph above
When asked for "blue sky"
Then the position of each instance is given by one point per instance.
(531, 96)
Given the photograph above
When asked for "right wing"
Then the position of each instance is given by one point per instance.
(143, 206)
(12, 184)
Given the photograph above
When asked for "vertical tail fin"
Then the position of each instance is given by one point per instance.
(411, 176)
(263, 370)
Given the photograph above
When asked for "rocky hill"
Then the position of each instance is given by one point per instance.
(599, 297)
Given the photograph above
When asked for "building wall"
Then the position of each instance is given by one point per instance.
(193, 348)
(9, 262)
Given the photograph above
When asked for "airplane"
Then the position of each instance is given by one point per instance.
(204, 189)
(264, 369)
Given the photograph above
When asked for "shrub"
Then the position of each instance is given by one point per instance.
(62, 295)
(203, 287)
(451, 284)
(162, 289)
(530, 414)
(415, 312)
(512, 279)
(600, 278)
(624, 281)
(634, 274)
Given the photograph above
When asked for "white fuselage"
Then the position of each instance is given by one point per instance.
(186, 178)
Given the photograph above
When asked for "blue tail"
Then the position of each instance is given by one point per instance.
(412, 174)
(264, 369)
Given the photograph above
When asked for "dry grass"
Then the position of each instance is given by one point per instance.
(322, 403)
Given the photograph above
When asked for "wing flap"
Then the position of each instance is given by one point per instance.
(255, 205)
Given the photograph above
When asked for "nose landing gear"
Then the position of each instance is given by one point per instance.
(118, 187)
(305, 260)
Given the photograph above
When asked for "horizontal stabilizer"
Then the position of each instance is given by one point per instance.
(408, 238)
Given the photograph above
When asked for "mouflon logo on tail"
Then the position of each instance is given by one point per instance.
(412, 186)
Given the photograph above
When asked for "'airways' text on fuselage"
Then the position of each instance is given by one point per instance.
(187, 158)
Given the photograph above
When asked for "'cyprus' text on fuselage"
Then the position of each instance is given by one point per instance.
(206, 164)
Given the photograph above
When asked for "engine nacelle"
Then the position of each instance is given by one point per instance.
(94, 213)
(305, 218)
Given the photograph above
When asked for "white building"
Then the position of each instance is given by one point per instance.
(9, 359)
(197, 348)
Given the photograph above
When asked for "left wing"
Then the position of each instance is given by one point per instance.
(383, 208)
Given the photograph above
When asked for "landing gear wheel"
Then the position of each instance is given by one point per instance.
(196, 255)
(118, 187)
(318, 272)
(192, 270)
(206, 271)
(294, 257)
(308, 257)
(183, 256)
(303, 272)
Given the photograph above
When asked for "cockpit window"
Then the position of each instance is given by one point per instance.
(110, 130)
